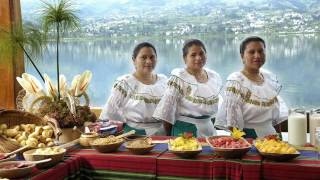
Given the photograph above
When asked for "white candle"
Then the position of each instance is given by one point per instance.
(297, 129)
(314, 123)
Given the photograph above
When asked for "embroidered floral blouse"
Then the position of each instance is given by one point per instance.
(134, 102)
(188, 100)
(248, 105)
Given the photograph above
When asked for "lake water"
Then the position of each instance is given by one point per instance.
(295, 59)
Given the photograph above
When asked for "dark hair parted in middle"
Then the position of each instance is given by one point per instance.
(190, 42)
(249, 39)
(139, 46)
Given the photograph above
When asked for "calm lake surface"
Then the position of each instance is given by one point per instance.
(295, 59)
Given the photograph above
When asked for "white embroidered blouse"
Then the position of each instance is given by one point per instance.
(133, 102)
(248, 105)
(188, 100)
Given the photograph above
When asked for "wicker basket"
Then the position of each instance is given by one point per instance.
(16, 117)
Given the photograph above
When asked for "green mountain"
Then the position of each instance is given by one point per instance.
(141, 17)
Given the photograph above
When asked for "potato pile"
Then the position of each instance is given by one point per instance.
(29, 134)
(274, 146)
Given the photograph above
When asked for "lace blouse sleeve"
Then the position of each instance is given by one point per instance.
(166, 109)
(118, 97)
(230, 113)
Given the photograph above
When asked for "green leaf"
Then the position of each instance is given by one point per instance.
(59, 17)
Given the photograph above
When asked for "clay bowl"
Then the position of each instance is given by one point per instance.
(140, 145)
(134, 137)
(106, 147)
(187, 154)
(10, 158)
(56, 157)
(229, 153)
(12, 173)
(279, 157)
(86, 138)
(140, 150)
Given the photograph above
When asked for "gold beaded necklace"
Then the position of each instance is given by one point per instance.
(256, 78)
(145, 79)
(201, 77)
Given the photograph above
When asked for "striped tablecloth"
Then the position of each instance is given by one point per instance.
(306, 166)
(121, 164)
(69, 168)
(170, 166)
(162, 164)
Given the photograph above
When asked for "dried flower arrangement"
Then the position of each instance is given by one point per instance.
(67, 109)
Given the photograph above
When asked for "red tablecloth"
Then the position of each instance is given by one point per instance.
(130, 165)
(249, 167)
(209, 166)
(306, 166)
(118, 161)
(168, 164)
(162, 164)
(69, 168)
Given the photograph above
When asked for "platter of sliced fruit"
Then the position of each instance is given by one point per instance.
(228, 147)
(185, 146)
(272, 148)
(233, 146)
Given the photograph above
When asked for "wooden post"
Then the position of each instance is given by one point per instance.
(13, 64)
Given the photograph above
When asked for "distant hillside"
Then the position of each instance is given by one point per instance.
(121, 8)
(114, 18)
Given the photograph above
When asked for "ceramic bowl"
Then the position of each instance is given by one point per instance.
(86, 138)
(106, 147)
(279, 157)
(134, 137)
(10, 158)
(185, 153)
(11, 173)
(229, 153)
(56, 157)
(140, 146)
